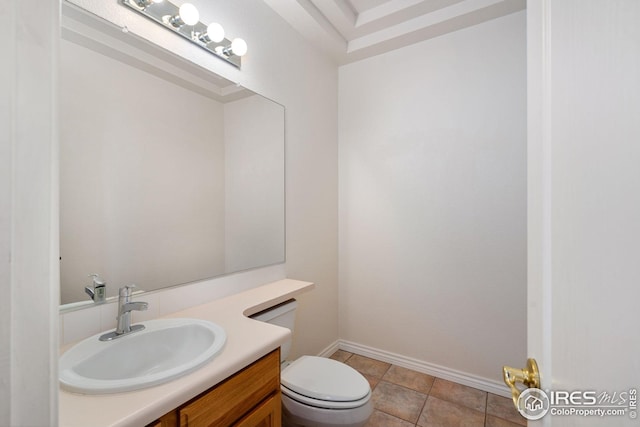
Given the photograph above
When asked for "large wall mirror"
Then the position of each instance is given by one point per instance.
(169, 174)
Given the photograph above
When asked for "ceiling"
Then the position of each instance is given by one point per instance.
(350, 30)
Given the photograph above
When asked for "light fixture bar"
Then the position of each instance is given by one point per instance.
(168, 15)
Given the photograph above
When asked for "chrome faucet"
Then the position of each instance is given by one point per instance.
(125, 306)
(98, 290)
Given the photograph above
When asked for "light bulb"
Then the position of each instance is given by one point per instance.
(238, 47)
(189, 14)
(215, 32)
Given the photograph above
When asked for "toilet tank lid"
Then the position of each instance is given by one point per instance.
(325, 379)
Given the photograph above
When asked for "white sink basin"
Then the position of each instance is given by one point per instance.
(164, 350)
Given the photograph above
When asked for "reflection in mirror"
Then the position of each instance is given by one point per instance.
(168, 174)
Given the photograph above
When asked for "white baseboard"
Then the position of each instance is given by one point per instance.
(335, 346)
(438, 371)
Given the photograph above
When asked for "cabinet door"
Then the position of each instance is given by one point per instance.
(267, 414)
(231, 400)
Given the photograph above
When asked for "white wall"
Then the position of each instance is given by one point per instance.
(432, 148)
(254, 179)
(28, 214)
(142, 177)
(279, 65)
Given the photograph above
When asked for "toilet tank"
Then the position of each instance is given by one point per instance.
(283, 315)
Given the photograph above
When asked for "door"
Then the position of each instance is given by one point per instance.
(584, 206)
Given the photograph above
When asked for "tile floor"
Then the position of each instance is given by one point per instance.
(406, 398)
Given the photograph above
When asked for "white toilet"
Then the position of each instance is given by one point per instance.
(316, 391)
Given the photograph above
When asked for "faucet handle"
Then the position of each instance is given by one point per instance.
(96, 280)
(126, 291)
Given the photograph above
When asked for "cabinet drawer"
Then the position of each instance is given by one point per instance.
(267, 414)
(230, 400)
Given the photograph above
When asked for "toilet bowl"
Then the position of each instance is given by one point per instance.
(316, 391)
(322, 392)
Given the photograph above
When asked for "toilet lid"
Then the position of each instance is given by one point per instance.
(325, 379)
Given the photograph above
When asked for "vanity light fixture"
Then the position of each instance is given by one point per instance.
(185, 20)
(142, 4)
(237, 47)
(187, 15)
(214, 33)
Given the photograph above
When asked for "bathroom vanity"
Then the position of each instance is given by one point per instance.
(249, 398)
(239, 387)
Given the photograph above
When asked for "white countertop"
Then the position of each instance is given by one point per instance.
(247, 341)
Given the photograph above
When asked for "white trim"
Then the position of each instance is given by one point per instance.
(539, 191)
(438, 371)
(332, 348)
(28, 221)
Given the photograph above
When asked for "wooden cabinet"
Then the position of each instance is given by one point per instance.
(267, 414)
(249, 398)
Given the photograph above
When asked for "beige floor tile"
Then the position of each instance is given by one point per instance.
(341, 355)
(398, 401)
(411, 379)
(458, 393)
(502, 407)
(493, 421)
(380, 419)
(403, 397)
(373, 381)
(440, 413)
(368, 366)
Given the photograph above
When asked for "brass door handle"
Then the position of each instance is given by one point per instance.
(530, 377)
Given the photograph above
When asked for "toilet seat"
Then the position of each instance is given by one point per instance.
(324, 383)
(325, 404)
